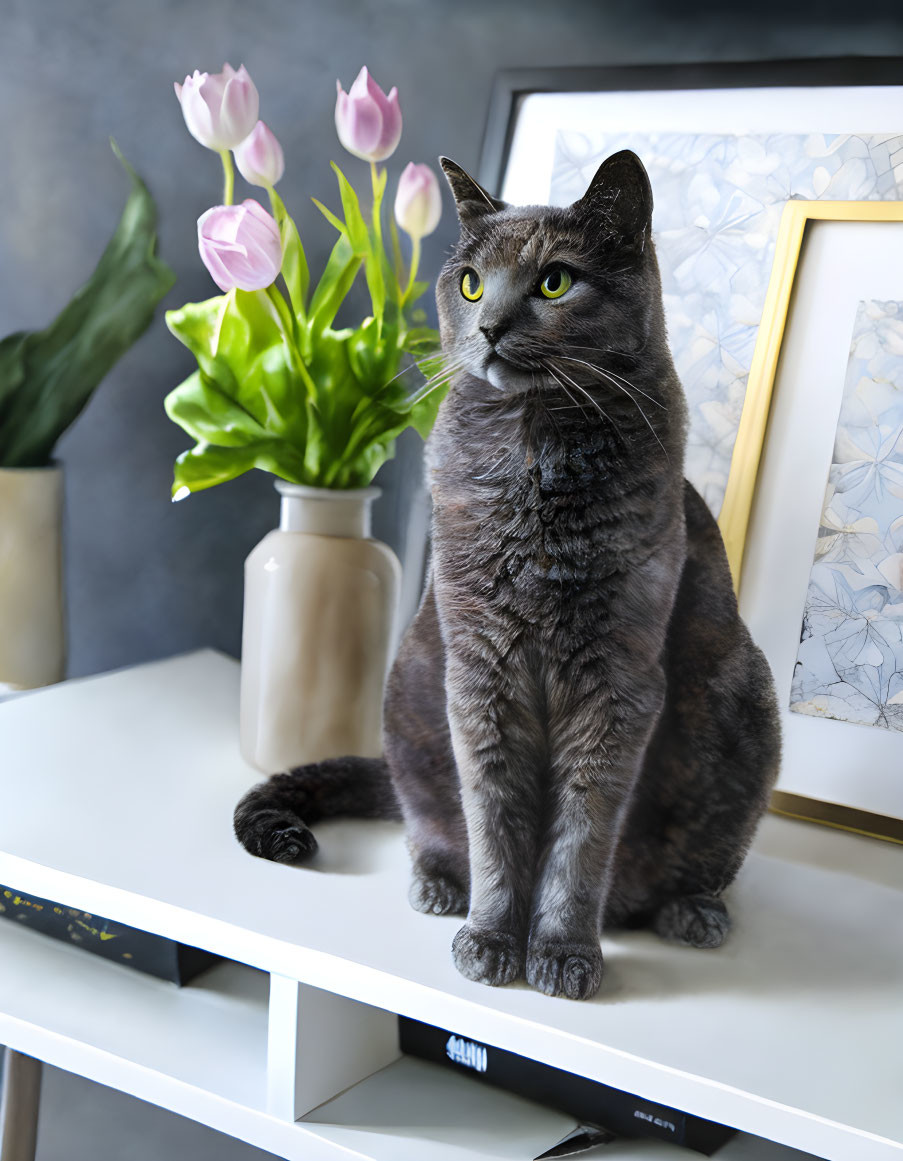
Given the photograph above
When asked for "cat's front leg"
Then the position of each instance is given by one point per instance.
(598, 738)
(498, 745)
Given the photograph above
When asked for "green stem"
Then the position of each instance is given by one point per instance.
(377, 228)
(377, 204)
(284, 317)
(415, 262)
(396, 253)
(228, 176)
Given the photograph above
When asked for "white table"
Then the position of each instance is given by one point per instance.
(117, 795)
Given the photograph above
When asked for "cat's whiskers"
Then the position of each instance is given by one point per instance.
(416, 363)
(574, 402)
(633, 400)
(607, 371)
(610, 350)
(447, 370)
(582, 390)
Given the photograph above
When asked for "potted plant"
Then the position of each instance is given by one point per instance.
(46, 379)
(280, 388)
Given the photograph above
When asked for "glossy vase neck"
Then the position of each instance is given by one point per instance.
(326, 511)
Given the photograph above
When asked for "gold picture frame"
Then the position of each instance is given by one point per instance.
(743, 477)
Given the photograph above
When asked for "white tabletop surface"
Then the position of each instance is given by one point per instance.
(117, 795)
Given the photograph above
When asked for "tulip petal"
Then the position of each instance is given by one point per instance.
(240, 246)
(361, 87)
(220, 109)
(418, 201)
(368, 123)
(259, 157)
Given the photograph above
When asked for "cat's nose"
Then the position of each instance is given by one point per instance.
(494, 332)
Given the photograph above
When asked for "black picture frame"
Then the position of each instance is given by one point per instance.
(511, 86)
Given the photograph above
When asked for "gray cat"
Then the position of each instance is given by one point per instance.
(578, 727)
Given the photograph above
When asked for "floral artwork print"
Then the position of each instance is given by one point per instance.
(850, 661)
(718, 206)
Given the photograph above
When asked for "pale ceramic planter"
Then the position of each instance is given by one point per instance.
(32, 628)
(321, 599)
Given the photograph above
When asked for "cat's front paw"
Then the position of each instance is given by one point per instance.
(487, 957)
(559, 968)
(437, 894)
(273, 834)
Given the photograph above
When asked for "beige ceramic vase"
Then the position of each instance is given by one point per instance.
(321, 599)
(32, 630)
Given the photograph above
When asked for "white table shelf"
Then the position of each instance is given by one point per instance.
(130, 1030)
(118, 793)
(201, 1050)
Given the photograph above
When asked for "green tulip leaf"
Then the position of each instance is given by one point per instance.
(333, 219)
(209, 415)
(335, 282)
(360, 237)
(417, 290)
(351, 207)
(295, 270)
(205, 465)
(239, 344)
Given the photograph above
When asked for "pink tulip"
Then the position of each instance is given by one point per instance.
(240, 246)
(220, 109)
(367, 121)
(259, 157)
(418, 203)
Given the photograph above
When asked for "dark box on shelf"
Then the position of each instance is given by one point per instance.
(587, 1101)
(154, 954)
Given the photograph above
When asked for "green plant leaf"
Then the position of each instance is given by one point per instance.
(354, 219)
(417, 290)
(205, 465)
(200, 407)
(248, 391)
(331, 217)
(377, 267)
(334, 284)
(12, 366)
(373, 355)
(398, 280)
(363, 240)
(196, 325)
(58, 369)
(239, 344)
(295, 270)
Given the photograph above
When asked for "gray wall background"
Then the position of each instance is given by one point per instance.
(146, 578)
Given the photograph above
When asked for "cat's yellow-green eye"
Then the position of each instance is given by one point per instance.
(471, 285)
(556, 283)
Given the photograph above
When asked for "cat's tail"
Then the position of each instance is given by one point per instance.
(273, 820)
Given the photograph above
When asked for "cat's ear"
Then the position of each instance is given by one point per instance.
(620, 192)
(471, 199)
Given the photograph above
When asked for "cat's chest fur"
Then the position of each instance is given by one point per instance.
(539, 516)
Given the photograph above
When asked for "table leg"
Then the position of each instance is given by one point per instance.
(19, 1106)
